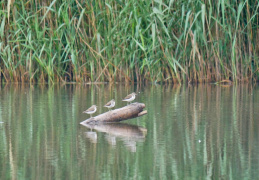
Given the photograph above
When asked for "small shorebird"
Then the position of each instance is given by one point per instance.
(110, 104)
(91, 110)
(130, 97)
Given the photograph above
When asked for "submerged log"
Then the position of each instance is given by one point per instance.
(131, 111)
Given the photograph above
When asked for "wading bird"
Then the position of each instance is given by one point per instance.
(110, 104)
(130, 97)
(91, 110)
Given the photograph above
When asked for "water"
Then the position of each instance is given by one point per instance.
(190, 132)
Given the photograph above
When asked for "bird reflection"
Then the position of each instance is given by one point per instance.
(92, 136)
(129, 134)
(111, 139)
(131, 145)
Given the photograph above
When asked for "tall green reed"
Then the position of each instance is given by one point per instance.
(158, 41)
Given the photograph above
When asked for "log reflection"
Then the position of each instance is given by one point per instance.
(129, 134)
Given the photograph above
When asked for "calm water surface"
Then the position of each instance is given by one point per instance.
(190, 132)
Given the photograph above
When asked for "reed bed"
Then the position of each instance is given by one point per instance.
(158, 41)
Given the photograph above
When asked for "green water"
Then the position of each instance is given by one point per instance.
(190, 132)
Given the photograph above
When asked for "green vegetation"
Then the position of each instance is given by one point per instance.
(135, 40)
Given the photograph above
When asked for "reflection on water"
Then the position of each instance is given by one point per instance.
(190, 132)
(129, 134)
(92, 136)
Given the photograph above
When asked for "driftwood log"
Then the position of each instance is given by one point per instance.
(127, 112)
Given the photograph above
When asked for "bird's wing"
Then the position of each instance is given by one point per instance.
(90, 109)
(108, 103)
(127, 97)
